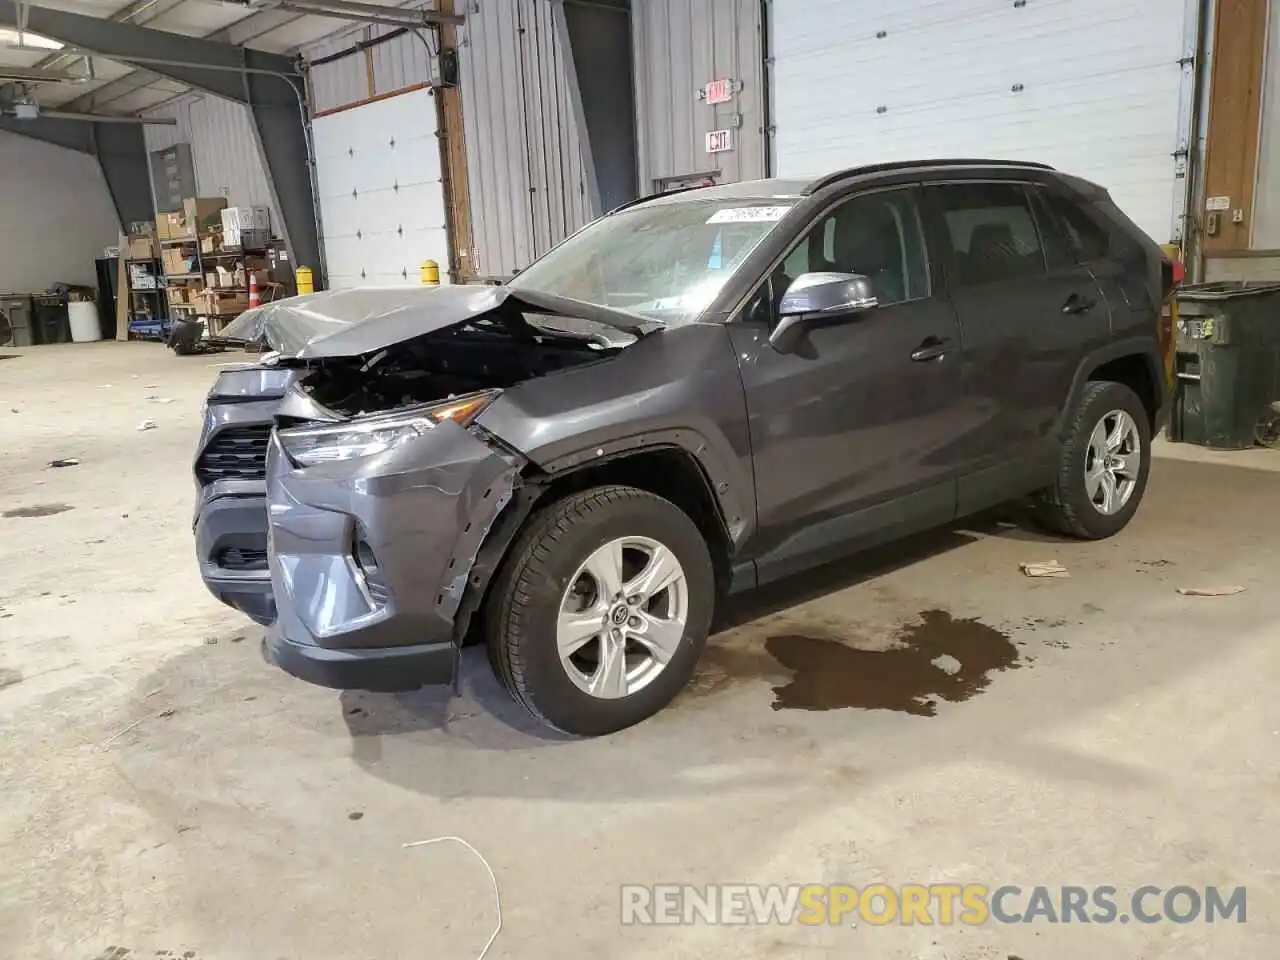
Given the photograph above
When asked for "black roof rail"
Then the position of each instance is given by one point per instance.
(839, 175)
(652, 196)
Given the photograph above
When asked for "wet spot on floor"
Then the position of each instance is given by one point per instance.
(9, 356)
(355, 815)
(908, 678)
(40, 510)
(9, 677)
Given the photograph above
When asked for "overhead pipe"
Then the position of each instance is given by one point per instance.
(362, 12)
(108, 118)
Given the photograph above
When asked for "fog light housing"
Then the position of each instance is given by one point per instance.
(366, 564)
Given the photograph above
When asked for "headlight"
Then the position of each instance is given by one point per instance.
(330, 443)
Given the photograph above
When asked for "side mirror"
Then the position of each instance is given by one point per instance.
(817, 297)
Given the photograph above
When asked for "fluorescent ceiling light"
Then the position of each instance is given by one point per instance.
(30, 41)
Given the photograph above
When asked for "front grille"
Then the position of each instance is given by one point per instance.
(237, 453)
(242, 558)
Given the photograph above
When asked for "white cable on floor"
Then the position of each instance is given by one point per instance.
(497, 897)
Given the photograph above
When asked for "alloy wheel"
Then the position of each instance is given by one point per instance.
(622, 617)
(1113, 463)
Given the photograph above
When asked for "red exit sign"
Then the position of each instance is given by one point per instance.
(718, 91)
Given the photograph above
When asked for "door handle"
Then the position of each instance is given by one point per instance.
(932, 348)
(1078, 304)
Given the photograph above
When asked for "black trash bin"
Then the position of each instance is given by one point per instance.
(50, 321)
(1227, 363)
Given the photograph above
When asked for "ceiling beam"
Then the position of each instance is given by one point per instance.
(215, 68)
(363, 12)
(138, 13)
(237, 34)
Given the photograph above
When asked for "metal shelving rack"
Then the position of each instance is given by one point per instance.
(155, 298)
(214, 322)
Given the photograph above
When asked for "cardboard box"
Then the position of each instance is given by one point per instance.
(199, 215)
(211, 280)
(169, 226)
(177, 265)
(223, 304)
(177, 294)
(210, 243)
(202, 214)
(142, 228)
(141, 248)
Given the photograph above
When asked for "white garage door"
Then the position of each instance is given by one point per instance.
(381, 192)
(1092, 87)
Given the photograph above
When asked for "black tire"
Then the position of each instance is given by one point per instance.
(522, 609)
(1066, 507)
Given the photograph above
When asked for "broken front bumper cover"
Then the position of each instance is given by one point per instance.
(370, 557)
(381, 669)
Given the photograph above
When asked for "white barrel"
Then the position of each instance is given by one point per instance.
(83, 317)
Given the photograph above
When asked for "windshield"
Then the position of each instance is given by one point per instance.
(666, 261)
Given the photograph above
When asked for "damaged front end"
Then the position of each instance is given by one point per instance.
(382, 490)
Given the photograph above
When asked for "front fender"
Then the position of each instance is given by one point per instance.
(678, 388)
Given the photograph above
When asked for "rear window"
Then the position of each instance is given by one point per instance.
(1086, 239)
(992, 232)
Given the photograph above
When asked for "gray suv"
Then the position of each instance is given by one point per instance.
(701, 392)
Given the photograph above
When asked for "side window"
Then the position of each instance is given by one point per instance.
(992, 231)
(1085, 238)
(877, 235)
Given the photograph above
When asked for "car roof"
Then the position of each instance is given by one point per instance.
(795, 188)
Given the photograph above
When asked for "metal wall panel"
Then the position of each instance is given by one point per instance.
(1266, 194)
(343, 81)
(403, 61)
(526, 176)
(679, 46)
(524, 147)
(223, 149)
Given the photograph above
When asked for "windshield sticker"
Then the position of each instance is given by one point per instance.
(748, 215)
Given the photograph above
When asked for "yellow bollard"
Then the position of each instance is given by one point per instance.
(306, 280)
(430, 273)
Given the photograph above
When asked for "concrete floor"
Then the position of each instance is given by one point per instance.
(165, 793)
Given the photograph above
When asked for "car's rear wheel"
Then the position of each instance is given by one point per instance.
(1106, 458)
(601, 610)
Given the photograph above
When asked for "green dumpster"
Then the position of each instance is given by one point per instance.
(1226, 364)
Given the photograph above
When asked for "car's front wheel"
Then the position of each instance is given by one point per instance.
(601, 610)
(1105, 460)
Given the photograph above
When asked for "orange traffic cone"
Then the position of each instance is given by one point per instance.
(255, 299)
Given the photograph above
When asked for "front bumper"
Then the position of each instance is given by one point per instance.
(385, 669)
(369, 558)
(231, 544)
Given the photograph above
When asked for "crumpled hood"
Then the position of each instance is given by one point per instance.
(350, 323)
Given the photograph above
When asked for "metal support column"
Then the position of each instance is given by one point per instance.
(277, 107)
(122, 154)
